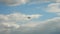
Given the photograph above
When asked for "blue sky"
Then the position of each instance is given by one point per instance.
(44, 16)
(28, 9)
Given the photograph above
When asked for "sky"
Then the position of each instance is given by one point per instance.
(29, 16)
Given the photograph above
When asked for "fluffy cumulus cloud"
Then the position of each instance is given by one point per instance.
(9, 22)
(18, 17)
(8, 25)
(54, 7)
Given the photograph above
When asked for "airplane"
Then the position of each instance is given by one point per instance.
(29, 17)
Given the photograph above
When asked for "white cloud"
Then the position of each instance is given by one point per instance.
(8, 22)
(44, 27)
(9, 25)
(57, 1)
(54, 1)
(49, 26)
(31, 24)
(38, 1)
(13, 2)
(18, 17)
(53, 7)
(20, 2)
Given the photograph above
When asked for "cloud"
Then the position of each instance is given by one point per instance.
(56, 1)
(29, 2)
(38, 1)
(20, 2)
(9, 22)
(43, 1)
(13, 2)
(53, 7)
(50, 26)
(18, 17)
(11, 19)
(7, 27)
